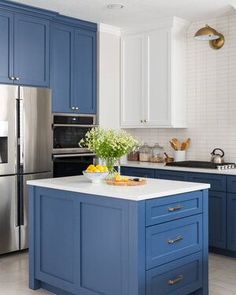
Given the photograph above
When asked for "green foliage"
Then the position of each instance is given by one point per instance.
(109, 144)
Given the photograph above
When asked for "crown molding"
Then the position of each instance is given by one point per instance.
(164, 23)
(104, 28)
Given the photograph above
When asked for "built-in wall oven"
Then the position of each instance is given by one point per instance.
(68, 157)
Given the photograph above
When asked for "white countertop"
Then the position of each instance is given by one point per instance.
(154, 188)
(150, 165)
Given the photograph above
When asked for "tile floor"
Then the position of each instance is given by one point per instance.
(14, 275)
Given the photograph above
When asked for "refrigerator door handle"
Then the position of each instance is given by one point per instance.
(21, 135)
(17, 203)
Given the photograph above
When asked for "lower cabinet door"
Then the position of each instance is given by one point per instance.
(217, 219)
(179, 277)
(138, 172)
(171, 175)
(231, 222)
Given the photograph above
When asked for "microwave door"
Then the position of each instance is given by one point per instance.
(35, 130)
(8, 129)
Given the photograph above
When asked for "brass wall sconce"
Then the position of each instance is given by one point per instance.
(216, 39)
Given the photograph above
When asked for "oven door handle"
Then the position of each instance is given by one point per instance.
(72, 155)
(74, 125)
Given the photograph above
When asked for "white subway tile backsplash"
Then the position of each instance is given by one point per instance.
(211, 96)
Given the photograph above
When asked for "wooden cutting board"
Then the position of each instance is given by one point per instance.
(130, 182)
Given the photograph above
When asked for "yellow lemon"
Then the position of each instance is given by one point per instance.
(118, 178)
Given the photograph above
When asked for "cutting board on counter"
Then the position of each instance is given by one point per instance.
(130, 182)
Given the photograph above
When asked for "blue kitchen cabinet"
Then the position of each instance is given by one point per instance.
(73, 69)
(217, 182)
(89, 245)
(217, 219)
(24, 49)
(31, 50)
(231, 222)
(217, 207)
(84, 80)
(138, 172)
(6, 47)
(171, 175)
(222, 202)
(62, 41)
(231, 184)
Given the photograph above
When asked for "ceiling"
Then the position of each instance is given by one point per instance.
(136, 12)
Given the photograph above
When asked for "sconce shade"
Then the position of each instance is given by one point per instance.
(216, 40)
(206, 34)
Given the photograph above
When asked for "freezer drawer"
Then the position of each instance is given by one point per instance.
(9, 229)
(25, 200)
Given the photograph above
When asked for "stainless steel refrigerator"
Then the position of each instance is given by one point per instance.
(25, 153)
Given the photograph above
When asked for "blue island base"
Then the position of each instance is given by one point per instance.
(84, 244)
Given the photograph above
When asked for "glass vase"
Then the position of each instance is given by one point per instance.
(110, 163)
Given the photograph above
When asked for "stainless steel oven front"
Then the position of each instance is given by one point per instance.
(68, 130)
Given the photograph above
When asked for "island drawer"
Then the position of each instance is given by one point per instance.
(182, 276)
(172, 240)
(178, 206)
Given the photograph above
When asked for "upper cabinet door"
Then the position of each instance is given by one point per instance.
(153, 77)
(61, 67)
(31, 50)
(158, 104)
(6, 47)
(132, 81)
(85, 72)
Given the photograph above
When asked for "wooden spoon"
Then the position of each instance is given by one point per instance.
(188, 143)
(177, 143)
(173, 145)
(185, 145)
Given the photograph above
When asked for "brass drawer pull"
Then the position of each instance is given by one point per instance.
(177, 208)
(178, 239)
(176, 281)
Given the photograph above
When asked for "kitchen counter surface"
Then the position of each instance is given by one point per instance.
(150, 165)
(154, 188)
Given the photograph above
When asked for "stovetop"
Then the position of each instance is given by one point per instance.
(202, 164)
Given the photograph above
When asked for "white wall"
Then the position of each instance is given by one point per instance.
(109, 76)
(211, 96)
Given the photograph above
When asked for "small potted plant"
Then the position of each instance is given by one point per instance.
(109, 145)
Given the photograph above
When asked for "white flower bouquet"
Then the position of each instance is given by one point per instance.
(109, 145)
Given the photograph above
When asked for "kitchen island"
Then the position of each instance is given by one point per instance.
(92, 239)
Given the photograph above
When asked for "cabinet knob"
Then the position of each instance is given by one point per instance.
(145, 121)
(77, 108)
(141, 121)
(17, 78)
(73, 108)
(12, 78)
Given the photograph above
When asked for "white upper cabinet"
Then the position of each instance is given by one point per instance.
(153, 88)
(132, 83)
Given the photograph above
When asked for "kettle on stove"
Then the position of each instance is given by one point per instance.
(217, 156)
